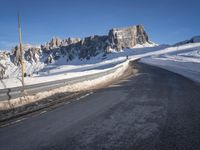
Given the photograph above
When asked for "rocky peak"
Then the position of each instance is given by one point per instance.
(32, 54)
(57, 42)
(29, 50)
(54, 43)
(72, 40)
(117, 39)
(195, 39)
(128, 37)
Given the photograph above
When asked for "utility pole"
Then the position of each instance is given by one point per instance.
(21, 59)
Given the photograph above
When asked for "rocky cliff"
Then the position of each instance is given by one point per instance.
(121, 38)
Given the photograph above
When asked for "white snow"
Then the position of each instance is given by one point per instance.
(184, 61)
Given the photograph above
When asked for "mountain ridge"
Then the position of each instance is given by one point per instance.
(68, 49)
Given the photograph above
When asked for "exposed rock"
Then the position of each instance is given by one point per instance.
(92, 46)
(57, 42)
(49, 59)
(72, 41)
(54, 43)
(121, 38)
(194, 39)
(3, 57)
(32, 55)
(117, 39)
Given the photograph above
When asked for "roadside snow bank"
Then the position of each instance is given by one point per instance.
(189, 70)
(167, 50)
(185, 63)
(86, 85)
(61, 73)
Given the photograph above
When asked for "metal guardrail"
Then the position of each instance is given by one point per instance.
(11, 93)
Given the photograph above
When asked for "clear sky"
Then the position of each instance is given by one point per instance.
(166, 21)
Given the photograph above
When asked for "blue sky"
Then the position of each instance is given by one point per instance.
(166, 21)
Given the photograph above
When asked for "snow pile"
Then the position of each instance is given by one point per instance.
(184, 61)
(86, 85)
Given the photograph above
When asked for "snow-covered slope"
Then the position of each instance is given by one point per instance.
(185, 60)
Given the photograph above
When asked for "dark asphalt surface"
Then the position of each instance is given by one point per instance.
(153, 110)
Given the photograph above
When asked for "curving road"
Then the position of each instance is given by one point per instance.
(153, 110)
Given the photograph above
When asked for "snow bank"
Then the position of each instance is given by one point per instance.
(86, 85)
(167, 50)
(185, 62)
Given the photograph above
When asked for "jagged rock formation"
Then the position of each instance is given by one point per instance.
(31, 53)
(117, 39)
(57, 42)
(121, 38)
(4, 57)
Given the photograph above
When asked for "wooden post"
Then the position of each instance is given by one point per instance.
(21, 52)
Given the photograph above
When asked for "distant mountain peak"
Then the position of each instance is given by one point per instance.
(194, 39)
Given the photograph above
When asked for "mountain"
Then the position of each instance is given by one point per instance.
(117, 39)
(121, 38)
(65, 50)
(194, 39)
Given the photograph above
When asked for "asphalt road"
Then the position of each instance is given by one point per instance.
(153, 110)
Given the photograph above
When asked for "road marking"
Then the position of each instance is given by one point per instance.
(19, 120)
(115, 85)
(4, 125)
(83, 96)
(67, 103)
(43, 112)
(14, 122)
